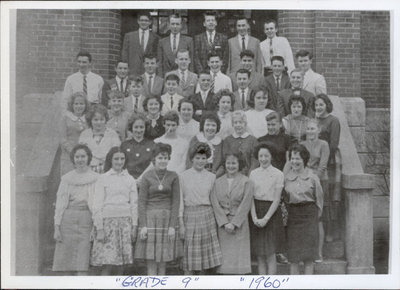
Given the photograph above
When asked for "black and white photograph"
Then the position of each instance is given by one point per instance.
(216, 145)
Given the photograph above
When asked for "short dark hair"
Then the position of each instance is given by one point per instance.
(97, 108)
(265, 145)
(209, 13)
(133, 118)
(278, 58)
(200, 148)
(224, 92)
(213, 53)
(161, 148)
(273, 116)
(83, 147)
(295, 98)
(149, 56)
(246, 52)
(144, 13)
(304, 154)
(304, 53)
(112, 94)
(241, 17)
(271, 21)
(84, 53)
(71, 101)
(109, 156)
(239, 156)
(174, 15)
(253, 93)
(182, 50)
(243, 71)
(212, 117)
(185, 100)
(172, 77)
(150, 97)
(120, 61)
(327, 101)
(136, 79)
(204, 72)
(171, 116)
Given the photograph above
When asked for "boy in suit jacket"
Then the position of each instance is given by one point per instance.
(209, 41)
(276, 81)
(242, 94)
(134, 102)
(204, 99)
(152, 83)
(187, 79)
(241, 42)
(168, 46)
(138, 43)
(313, 82)
(119, 83)
(171, 98)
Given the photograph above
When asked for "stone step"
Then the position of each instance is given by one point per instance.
(334, 250)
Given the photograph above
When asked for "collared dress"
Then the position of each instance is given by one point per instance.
(267, 240)
(115, 210)
(201, 249)
(74, 217)
(304, 202)
(231, 200)
(159, 199)
(138, 155)
(71, 128)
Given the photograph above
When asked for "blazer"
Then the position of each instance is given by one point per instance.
(257, 81)
(234, 202)
(234, 54)
(156, 89)
(132, 51)
(238, 100)
(273, 90)
(166, 57)
(188, 88)
(314, 83)
(128, 104)
(111, 85)
(210, 104)
(202, 48)
(283, 102)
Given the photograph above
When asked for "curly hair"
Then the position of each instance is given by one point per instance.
(200, 148)
(110, 155)
(294, 98)
(161, 148)
(78, 147)
(265, 145)
(97, 108)
(327, 101)
(302, 150)
(211, 117)
(222, 93)
(72, 100)
(151, 97)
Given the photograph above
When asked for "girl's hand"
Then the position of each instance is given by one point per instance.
(57, 234)
(258, 223)
(171, 233)
(100, 235)
(230, 228)
(263, 222)
(134, 234)
(143, 233)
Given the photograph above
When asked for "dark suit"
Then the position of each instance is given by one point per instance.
(234, 54)
(283, 102)
(111, 85)
(272, 90)
(132, 51)
(238, 100)
(156, 89)
(202, 48)
(166, 57)
(209, 105)
(185, 89)
(257, 81)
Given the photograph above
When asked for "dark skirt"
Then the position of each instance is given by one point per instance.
(267, 240)
(302, 232)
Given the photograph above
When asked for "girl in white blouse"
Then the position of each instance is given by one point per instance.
(256, 122)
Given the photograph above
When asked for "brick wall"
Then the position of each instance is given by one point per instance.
(48, 41)
(375, 58)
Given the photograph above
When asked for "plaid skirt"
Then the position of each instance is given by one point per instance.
(267, 240)
(116, 249)
(158, 247)
(72, 254)
(302, 232)
(201, 246)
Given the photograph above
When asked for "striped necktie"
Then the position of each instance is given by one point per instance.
(85, 85)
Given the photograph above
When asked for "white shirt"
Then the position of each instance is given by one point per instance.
(266, 182)
(246, 91)
(204, 95)
(146, 37)
(226, 125)
(118, 79)
(211, 35)
(166, 98)
(171, 37)
(246, 41)
(314, 82)
(221, 81)
(281, 47)
(180, 148)
(256, 123)
(74, 84)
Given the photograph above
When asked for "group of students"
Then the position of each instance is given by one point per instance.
(205, 169)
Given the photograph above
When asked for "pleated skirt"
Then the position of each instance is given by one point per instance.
(201, 248)
(302, 232)
(73, 252)
(158, 247)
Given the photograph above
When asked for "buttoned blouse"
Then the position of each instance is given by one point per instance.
(319, 156)
(115, 196)
(71, 128)
(304, 187)
(138, 155)
(266, 182)
(195, 188)
(75, 189)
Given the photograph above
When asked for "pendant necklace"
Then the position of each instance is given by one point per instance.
(160, 186)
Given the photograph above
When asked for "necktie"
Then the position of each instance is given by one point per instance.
(135, 107)
(85, 85)
(213, 82)
(150, 83)
(174, 43)
(271, 50)
(122, 85)
(243, 99)
(243, 43)
(277, 83)
(142, 41)
(183, 81)
(172, 101)
(210, 39)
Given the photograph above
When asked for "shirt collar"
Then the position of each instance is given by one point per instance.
(214, 141)
(74, 118)
(291, 175)
(172, 35)
(226, 116)
(86, 74)
(148, 75)
(245, 37)
(113, 172)
(145, 31)
(119, 79)
(244, 135)
(246, 90)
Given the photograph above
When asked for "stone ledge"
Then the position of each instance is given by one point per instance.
(354, 108)
(358, 181)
